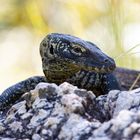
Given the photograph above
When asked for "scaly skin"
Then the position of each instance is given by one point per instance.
(71, 59)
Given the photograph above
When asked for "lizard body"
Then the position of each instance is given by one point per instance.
(71, 59)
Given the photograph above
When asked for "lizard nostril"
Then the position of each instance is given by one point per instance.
(106, 60)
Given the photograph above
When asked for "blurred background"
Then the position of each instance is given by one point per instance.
(114, 25)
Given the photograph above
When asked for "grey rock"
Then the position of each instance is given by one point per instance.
(67, 113)
(36, 119)
(36, 137)
(7, 138)
(16, 126)
(26, 115)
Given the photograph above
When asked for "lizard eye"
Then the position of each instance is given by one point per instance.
(76, 50)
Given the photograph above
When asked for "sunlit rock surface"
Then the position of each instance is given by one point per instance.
(51, 112)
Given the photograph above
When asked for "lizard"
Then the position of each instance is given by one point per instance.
(71, 59)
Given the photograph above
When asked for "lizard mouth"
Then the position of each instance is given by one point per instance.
(98, 66)
(102, 69)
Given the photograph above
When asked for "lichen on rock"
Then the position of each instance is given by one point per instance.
(66, 112)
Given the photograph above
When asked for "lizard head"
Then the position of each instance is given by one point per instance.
(66, 53)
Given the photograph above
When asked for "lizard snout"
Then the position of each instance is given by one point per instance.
(110, 63)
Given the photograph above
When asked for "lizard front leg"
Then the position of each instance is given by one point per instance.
(13, 93)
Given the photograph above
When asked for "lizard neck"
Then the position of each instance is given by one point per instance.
(58, 71)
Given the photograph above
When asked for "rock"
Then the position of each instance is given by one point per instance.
(36, 137)
(26, 115)
(16, 126)
(36, 119)
(66, 112)
(2, 128)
